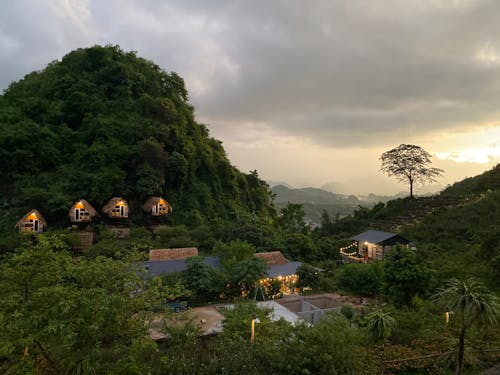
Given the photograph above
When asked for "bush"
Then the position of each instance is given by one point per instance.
(347, 311)
(363, 279)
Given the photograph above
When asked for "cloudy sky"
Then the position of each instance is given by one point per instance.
(306, 92)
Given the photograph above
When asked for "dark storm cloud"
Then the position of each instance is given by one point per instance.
(337, 72)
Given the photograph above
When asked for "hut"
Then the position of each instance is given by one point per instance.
(81, 212)
(116, 208)
(157, 206)
(279, 268)
(33, 221)
(374, 244)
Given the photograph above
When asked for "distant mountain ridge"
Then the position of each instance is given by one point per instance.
(310, 195)
(315, 200)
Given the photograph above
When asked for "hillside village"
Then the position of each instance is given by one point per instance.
(215, 280)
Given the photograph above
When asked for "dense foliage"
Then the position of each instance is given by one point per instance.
(103, 122)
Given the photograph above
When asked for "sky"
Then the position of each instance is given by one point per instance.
(305, 92)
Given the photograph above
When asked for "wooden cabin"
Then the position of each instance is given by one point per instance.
(157, 206)
(82, 212)
(33, 221)
(374, 244)
(116, 208)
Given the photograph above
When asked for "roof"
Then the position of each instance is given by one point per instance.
(287, 269)
(272, 258)
(158, 267)
(376, 236)
(91, 210)
(279, 311)
(151, 201)
(108, 207)
(171, 254)
(38, 215)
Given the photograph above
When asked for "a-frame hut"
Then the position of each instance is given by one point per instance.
(157, 206)
(116, 208)
(33, 221)
(81, 212)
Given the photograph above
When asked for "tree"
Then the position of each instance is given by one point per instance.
(381, 325)
(404, 275)
(204, 281)
(409, 163)
(470, 302)
(66, 316)
(308, 276)
(233, 251)
(292, 218)
(242, 276)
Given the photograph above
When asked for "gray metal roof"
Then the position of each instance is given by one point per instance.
(373, 236)
(283, 269)
(158, 267)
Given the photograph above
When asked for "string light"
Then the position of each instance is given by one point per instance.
(342, 250)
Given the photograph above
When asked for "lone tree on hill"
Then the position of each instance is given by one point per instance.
(409, 163)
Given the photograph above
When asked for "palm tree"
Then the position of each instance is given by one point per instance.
(381, 325)
(470, 301)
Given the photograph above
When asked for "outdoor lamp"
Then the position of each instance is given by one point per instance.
(252, 337)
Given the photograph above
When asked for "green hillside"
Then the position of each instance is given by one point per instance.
(457, 232)
(103, 122)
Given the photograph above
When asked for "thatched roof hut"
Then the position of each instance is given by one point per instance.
(272, 258)
(81, 211)
(33, 221)
(157, 206)
(116, 207)
(172, 254)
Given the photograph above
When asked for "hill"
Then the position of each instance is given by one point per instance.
(316, 200)
(103, 122)
(455, 231)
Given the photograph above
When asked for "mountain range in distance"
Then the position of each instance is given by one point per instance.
(316, 200)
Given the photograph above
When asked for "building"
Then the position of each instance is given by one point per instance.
(32, 222)
(374, 244)
(81, 212)
(279, 268)
(172, 254)
(116, 208)
(159, 267)
(157, 206)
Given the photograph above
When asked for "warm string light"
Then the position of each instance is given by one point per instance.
(343, 249)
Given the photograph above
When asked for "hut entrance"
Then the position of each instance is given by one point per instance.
(156, 209)
(35, 225)
(122, 211)
(77, 214)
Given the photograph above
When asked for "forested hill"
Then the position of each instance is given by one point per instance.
(103, 122)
